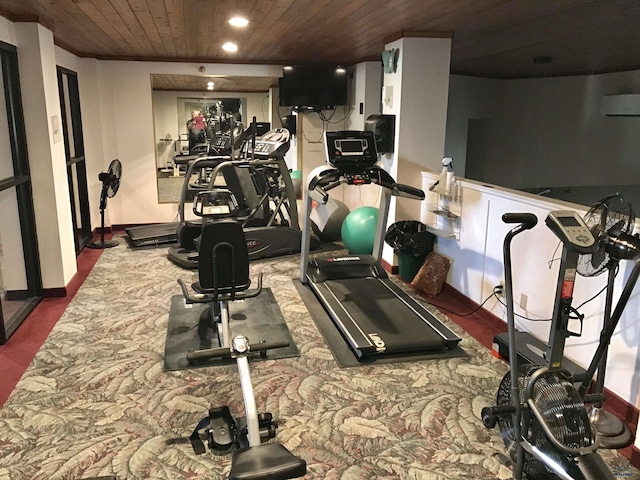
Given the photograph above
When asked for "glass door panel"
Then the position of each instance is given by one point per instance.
(20, 281)
(14, 287)
(74, 149)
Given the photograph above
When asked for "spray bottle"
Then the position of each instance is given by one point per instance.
(446, 179)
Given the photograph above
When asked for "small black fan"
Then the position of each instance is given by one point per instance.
(607, 219)
(611, 221)
(110, 184)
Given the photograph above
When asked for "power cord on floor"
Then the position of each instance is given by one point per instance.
(494, 294)
(522, 316)
(497, 291)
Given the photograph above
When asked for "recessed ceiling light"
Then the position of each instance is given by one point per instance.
(210, 84)
(209, 87)
(238, 22)
(288, 67)
(230, 47)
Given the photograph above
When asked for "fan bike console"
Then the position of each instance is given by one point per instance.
(569, 227)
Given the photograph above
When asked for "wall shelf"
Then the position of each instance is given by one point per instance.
(444, 211)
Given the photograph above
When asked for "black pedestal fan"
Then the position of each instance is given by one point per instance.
(611, 221)
(110, 184)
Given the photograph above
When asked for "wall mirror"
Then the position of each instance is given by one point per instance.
(177, 98)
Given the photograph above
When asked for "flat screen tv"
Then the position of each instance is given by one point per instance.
(313, 87)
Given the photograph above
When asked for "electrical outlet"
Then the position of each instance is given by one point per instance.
(499, 290)
(523, 301)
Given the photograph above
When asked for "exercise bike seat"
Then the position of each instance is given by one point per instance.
(223, 262)
(266, 461)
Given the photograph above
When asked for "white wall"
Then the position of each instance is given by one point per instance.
(366, 90)
(477, 266)
(469, 98)
(41, 104)
(419, 102)
(544, 132)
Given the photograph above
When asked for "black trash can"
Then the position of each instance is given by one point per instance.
(412, 242)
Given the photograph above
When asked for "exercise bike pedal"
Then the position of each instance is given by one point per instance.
(489, 420)
(220, 430)
(265, 418)
(222, 433)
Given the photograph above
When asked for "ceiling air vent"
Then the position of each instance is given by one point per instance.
(627, 105)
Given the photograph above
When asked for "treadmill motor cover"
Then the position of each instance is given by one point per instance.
(337, 268)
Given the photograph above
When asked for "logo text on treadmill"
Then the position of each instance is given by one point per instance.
(378, 342)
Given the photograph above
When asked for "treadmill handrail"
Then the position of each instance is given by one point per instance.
(325, 177)
(331, 178)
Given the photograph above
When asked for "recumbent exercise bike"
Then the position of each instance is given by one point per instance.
(223, 277)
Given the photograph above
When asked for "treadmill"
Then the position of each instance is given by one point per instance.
(375, 316)
(155, 234)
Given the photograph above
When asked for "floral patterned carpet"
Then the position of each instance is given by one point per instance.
(95, 400)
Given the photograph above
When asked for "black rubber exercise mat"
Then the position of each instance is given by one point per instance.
(258, 318)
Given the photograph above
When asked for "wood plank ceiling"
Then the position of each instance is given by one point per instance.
(491, 38)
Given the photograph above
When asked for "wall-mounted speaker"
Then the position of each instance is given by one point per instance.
(383, 128)
(289, 122)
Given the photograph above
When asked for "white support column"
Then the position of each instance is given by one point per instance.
(47, 161)
(417, 94)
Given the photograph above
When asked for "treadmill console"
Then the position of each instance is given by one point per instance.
(351, 150)
(569, 227)
(221, 142)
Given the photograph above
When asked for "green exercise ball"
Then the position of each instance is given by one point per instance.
(359, 230)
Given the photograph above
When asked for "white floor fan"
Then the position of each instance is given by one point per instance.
(110, 184)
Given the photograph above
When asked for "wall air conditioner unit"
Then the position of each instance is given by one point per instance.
(626, 105)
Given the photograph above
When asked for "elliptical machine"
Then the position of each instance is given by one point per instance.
(262, 184)
(542, 417)
(223, 277)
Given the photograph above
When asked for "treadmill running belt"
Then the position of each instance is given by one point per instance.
(366, 307)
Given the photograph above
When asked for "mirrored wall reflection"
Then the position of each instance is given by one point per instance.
(186, 112)
(182, 124)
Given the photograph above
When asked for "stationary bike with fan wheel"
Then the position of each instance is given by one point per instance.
(110, 184)
(611, 222)
(542, 417)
